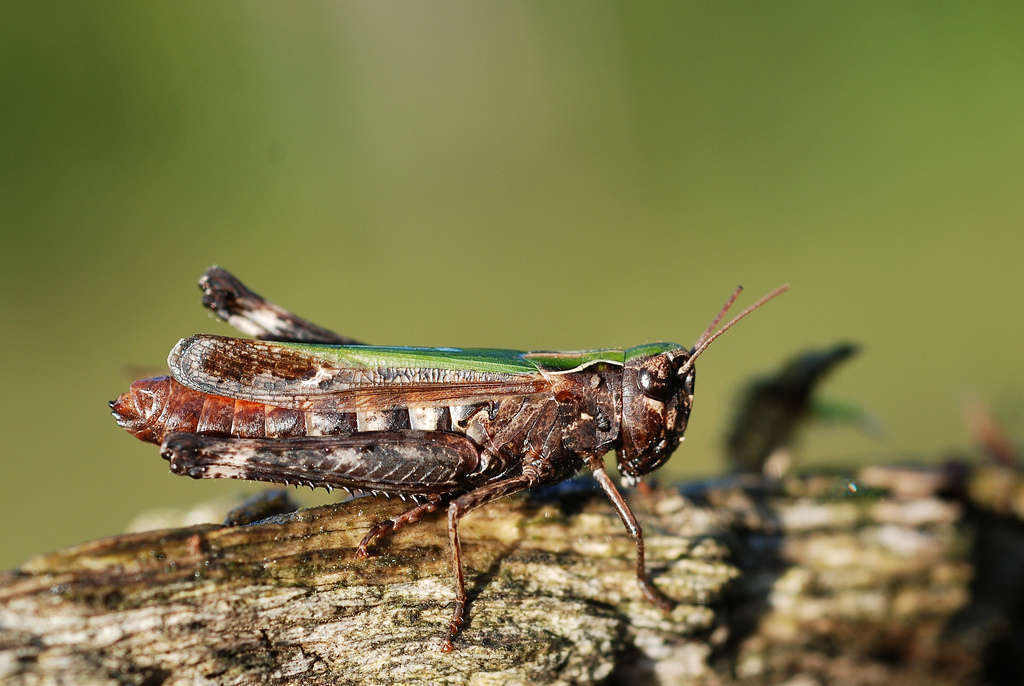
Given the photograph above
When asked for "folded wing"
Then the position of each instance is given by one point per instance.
(349, 378)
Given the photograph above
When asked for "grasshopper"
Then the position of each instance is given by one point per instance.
(451, 428)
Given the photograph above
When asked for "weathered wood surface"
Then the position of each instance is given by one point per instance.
(801, 581)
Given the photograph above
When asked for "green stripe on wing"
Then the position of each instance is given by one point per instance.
(470, 359)
(378, 356)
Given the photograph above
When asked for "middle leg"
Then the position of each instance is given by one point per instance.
(456, 510)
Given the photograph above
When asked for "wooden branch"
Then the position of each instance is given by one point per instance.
(802, 578)
(554, 598)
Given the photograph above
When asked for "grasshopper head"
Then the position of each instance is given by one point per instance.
(657, 395)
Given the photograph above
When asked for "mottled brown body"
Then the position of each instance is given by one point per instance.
(154, 408)
(444, 426)
(518, 434)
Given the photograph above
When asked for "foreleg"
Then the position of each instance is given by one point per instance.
(650, 592)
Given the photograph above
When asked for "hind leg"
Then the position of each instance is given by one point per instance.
(390, 526)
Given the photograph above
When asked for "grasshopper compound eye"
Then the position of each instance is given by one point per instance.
(655, 378)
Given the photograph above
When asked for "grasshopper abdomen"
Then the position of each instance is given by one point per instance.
(153, 408)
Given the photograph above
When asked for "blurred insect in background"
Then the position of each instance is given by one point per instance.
(772, 409)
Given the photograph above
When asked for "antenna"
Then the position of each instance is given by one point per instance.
(718, 317)
(706, 339)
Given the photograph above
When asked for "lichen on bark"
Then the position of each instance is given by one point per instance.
(775, 580)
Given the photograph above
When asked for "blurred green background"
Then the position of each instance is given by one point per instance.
(514, 174)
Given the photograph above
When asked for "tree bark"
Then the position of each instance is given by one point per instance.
(803, 578)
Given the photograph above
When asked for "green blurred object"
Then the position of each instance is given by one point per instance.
(527, 175)
(772, 408)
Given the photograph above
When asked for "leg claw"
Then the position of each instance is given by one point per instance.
(454, 626)
(657, 598)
